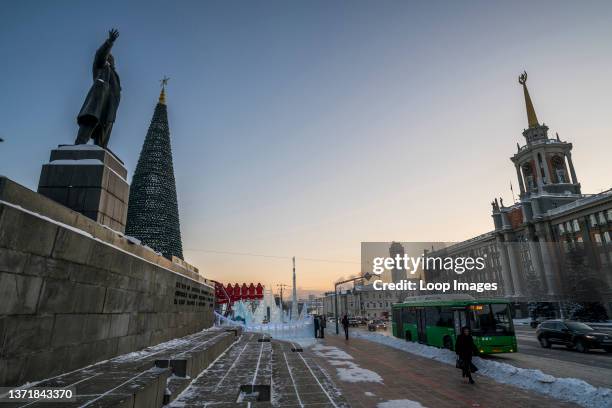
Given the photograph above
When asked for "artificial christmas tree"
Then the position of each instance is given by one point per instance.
(152, 208)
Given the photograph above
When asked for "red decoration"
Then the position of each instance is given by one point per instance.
(251, 291)
(232, 293)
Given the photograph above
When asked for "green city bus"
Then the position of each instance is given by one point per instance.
(437, 321)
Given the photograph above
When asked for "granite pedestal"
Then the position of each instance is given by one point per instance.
(90, 180)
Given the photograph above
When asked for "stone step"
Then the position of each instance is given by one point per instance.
(140, 379)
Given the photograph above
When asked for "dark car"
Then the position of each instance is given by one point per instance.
(374, 325)
(572, 334)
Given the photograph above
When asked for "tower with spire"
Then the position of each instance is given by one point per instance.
(543, 165)
(153, 208)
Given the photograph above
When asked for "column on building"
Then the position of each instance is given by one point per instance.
(547, 264)
(571, 167)
(536, 259)
(519, 175)
(514, 267)
(505, 266)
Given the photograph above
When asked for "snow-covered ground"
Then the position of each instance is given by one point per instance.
(521, 322)
(346, 369)
(403, 403)
(567, 389)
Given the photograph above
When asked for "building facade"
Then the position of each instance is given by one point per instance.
(362, 301)
(554, 244)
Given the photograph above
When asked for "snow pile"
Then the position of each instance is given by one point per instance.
(403, 403)
(80, 162)
(519, 322)
(328, 352)
(568, 389)
(80, 147)
(346, 369)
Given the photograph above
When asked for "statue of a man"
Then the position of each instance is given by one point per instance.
(97, 115)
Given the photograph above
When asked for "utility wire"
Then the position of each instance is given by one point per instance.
(212, 251)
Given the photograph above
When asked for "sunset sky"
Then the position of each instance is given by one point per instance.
(305, 128)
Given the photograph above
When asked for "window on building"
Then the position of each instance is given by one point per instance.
(561, 176)
(530, 183)
(576, 225)
(597, 238)
(593, 220)
(568, 227)
(606, 237)
(602, 218)
(609, 212)
(561, 229)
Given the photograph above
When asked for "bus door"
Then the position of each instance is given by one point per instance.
(421, 324)
(460, 320)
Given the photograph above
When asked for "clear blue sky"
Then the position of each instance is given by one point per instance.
(304, 128)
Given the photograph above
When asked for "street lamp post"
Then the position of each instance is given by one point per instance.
(365, 276)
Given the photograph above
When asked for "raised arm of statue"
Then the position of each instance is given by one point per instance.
(104, 50)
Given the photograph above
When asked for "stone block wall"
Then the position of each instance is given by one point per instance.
(89, 180)
(73, 292)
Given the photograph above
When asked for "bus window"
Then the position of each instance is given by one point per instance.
(408, 315)
(432, 315)
(491, 320)
(445, 319)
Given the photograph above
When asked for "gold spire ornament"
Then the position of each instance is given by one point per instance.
(532, 119)
(162, 94)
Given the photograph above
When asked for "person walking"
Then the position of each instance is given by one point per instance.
(345, 325)
(316, 326)
(323, 326)
(465, 349)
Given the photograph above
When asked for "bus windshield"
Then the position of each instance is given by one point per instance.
(491, 320)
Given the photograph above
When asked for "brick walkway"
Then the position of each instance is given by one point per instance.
(409, 377)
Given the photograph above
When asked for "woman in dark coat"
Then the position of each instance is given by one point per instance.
(465, 349)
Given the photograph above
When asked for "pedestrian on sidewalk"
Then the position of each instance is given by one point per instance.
(465, 349)
(316, 326)
(323, 326)
(345, 325)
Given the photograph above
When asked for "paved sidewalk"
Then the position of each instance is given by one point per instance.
(407, 377)
(276, 369)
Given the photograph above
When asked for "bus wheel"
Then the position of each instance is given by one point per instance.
(544, 342)
(448, 343)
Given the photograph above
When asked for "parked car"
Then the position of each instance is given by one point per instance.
(572, 334)
(353, 322)
(374, 325)
(361, 320)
